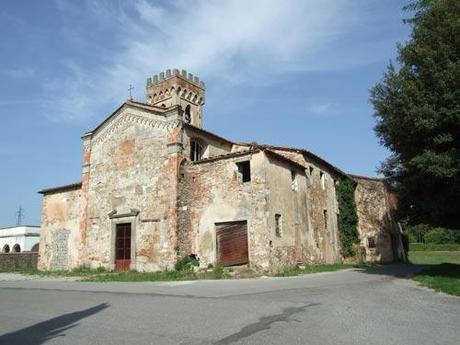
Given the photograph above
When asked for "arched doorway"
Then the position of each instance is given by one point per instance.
(34, 247)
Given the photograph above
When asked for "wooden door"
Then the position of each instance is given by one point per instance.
(123, 247)
(232, 243)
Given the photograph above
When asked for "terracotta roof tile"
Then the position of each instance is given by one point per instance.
(76, 185)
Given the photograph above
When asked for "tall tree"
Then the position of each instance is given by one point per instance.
(417, 108)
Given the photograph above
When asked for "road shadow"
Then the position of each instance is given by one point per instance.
(43, 331)
(401, 270)
(398, 270)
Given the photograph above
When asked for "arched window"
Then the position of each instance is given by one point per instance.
(17, 248)
(196, 150)
(34, 248)
(187, 114)
(6, 248)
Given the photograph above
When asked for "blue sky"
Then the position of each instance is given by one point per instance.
(294, 73)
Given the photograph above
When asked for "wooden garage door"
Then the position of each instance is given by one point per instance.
(232, 243)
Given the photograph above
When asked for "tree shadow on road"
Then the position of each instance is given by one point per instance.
(397, 270)
(43, 331)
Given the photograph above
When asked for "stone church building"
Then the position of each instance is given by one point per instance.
(156, 186)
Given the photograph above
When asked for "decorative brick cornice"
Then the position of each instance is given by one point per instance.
(130, 118)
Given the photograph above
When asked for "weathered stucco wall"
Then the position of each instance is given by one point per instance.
(212, 146)
(210, 193)
(375, 220)
(288, 199)
(133, 168)
(60, 236)
(321, 196)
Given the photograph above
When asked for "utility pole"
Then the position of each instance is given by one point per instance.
(20, 215)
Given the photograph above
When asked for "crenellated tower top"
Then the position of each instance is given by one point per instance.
(172, 87)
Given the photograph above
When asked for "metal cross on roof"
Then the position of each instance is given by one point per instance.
(129, 90)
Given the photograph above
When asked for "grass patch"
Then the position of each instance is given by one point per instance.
(433, 247)
(34, 271)
(442, 272)
(133, 276)
(102, 275)
(444, 277)
(295, 271)
(434, 257)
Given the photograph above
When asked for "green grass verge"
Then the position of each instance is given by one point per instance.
(433, 247)
(133, 276)
(442, 272)
(434, 257)
(34, 271)
(444, 277)
(101, 275)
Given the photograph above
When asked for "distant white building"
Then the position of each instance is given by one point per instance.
(16, 239)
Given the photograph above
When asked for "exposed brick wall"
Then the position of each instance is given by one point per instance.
(18, 260)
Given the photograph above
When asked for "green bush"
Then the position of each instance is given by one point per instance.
(186, 263)
(423, 233)
(415, 233)
(218, 272)
(348, 218)
(442, 236)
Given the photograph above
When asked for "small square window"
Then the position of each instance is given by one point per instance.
(371, 242)
(278, 225)
(196, 151)
(244, 169)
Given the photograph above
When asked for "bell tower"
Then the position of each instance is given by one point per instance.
(178, 88)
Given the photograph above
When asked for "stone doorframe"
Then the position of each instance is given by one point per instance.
(125, 217)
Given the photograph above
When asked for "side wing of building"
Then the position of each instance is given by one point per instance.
(380, 235)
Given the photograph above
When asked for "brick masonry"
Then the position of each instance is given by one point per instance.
(18, 260)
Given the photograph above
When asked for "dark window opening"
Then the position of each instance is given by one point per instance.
(244, 169)
(196, 151)
(17, 248)
(278, 225)
(311, 171)
(187, 114)
(371, 242)
(325, 219)
(6, 248)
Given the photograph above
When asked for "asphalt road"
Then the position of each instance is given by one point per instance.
(349, 307)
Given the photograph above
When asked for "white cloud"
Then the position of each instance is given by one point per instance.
(320, 109)
(237, 41)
